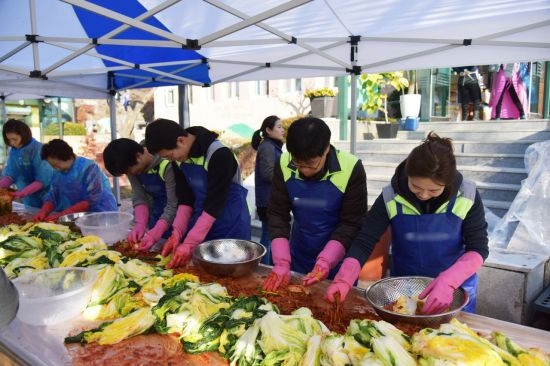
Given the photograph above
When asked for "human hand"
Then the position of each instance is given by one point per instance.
(320, 272)
(41, 215)
(438, 295)
(337, 292)
(439, 292)
(182, 254)
(328, 258)
(343, 281)
(53, 217)
(279, 276)
(170, 245)
(137, 232)
(153, 235)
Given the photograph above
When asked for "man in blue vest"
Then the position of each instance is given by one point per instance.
(153, 183)
(213, 197)
(326, 192)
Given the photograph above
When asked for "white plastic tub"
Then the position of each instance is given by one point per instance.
(111, 226)
(54, 295)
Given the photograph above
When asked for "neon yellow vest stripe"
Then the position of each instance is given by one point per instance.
(463, 203)
(339, 178)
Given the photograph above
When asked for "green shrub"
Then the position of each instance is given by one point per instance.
(69, 129)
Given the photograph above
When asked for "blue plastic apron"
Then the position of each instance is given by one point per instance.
(71, 187)
(234, 221)
(316, 208)
(427, 244)
(26, 166)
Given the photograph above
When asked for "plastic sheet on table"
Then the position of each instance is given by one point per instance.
(525, 226)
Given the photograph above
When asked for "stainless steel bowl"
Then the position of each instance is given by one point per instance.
(70, 218)
(387, 290)
(228, 257)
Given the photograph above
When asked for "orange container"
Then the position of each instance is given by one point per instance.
(377, 265)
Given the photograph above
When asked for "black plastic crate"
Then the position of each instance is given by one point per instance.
(542, 303)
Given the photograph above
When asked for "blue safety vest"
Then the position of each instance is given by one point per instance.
(234, 220)
(316, 206)
(427, 244)
(153, 183)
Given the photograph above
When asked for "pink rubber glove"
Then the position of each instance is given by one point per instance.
(344, 280)
(6, 182)
(153, 235)
(28, 190)
(194, 237)
(41, 215)
(439, 292)
(280, 274)
(330, 256)
(179, 226)
(81, 206)
(141, 217)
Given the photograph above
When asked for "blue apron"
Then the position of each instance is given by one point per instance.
(25, 166)
(427, 244)
(234, 220)
(316, 208)
(83, 181)
(155, 187)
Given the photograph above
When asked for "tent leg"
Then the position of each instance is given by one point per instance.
(112, 112)
(353, 115)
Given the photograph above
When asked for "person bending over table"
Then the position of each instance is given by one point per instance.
(24, 167)
(326, 191)
(214, 200)
(78, 184)
(438, 228)
(153, 183)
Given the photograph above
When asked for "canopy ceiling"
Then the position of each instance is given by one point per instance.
(254, 40)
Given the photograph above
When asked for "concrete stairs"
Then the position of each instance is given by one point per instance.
(491, 153)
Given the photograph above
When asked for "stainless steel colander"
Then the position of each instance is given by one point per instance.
(228, 257)
(387, 290)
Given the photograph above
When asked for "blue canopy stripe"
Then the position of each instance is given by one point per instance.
(150, 65)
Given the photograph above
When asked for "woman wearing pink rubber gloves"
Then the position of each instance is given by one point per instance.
(437, 224)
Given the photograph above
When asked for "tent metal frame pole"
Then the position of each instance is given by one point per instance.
(112, 114)
(354, 71)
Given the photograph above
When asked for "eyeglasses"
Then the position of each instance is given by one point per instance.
(308, 165)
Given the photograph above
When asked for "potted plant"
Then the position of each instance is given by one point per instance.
(322, 102)
(374, 88)
(410, 102)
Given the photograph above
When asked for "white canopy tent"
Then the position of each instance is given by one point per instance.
(254, 40)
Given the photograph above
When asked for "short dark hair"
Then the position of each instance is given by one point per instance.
(269, 122)
(433, 159)
(18, 127)
(162, 134)
(307, 138)
(120, 154)
(57, 149)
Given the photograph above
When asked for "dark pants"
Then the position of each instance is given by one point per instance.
(469, 92)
